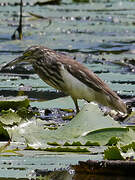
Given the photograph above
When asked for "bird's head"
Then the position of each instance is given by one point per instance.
(30, 56)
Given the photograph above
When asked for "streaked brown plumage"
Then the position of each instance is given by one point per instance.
(69, 76)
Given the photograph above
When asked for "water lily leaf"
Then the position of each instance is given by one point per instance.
(67, 149)
(113, 141)
(10, 118)
(89, 125)
(83, 128)
(129, 155)
(53, 144)
(90, 118)
(113, 153)
(106, 135)
(62, 103)
(117, 153)
(13, 102)
(128, 146)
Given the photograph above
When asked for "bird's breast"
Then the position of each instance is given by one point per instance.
(75, 87)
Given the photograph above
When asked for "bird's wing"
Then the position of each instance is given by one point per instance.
(86, 76)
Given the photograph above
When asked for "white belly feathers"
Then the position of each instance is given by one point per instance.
(75, 87)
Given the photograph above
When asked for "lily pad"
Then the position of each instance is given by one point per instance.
(113, 153)
(13, 102)
(104, 136)
(10, 118)
(89, 125)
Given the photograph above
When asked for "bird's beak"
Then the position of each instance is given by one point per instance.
(15, 61)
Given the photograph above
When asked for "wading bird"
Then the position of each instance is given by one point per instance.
(67, 75)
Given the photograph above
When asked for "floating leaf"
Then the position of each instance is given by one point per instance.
(89, 143)
(113, 153)
(89, 125)
(10, 117)
(127, 147)
(53, 143)
(103, 136)
(113, 141)
(13, 102)
(67, 149)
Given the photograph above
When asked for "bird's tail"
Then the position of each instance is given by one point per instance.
(119, 105)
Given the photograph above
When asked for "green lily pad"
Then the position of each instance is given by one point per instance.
(89, 125)
(67, 149)
(113, 153)
(119, 153)
(104, 136)
(113, 141)
(128, 146)
(13, 102)
(10, 118)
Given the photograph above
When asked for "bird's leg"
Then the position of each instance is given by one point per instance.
(76, 105)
